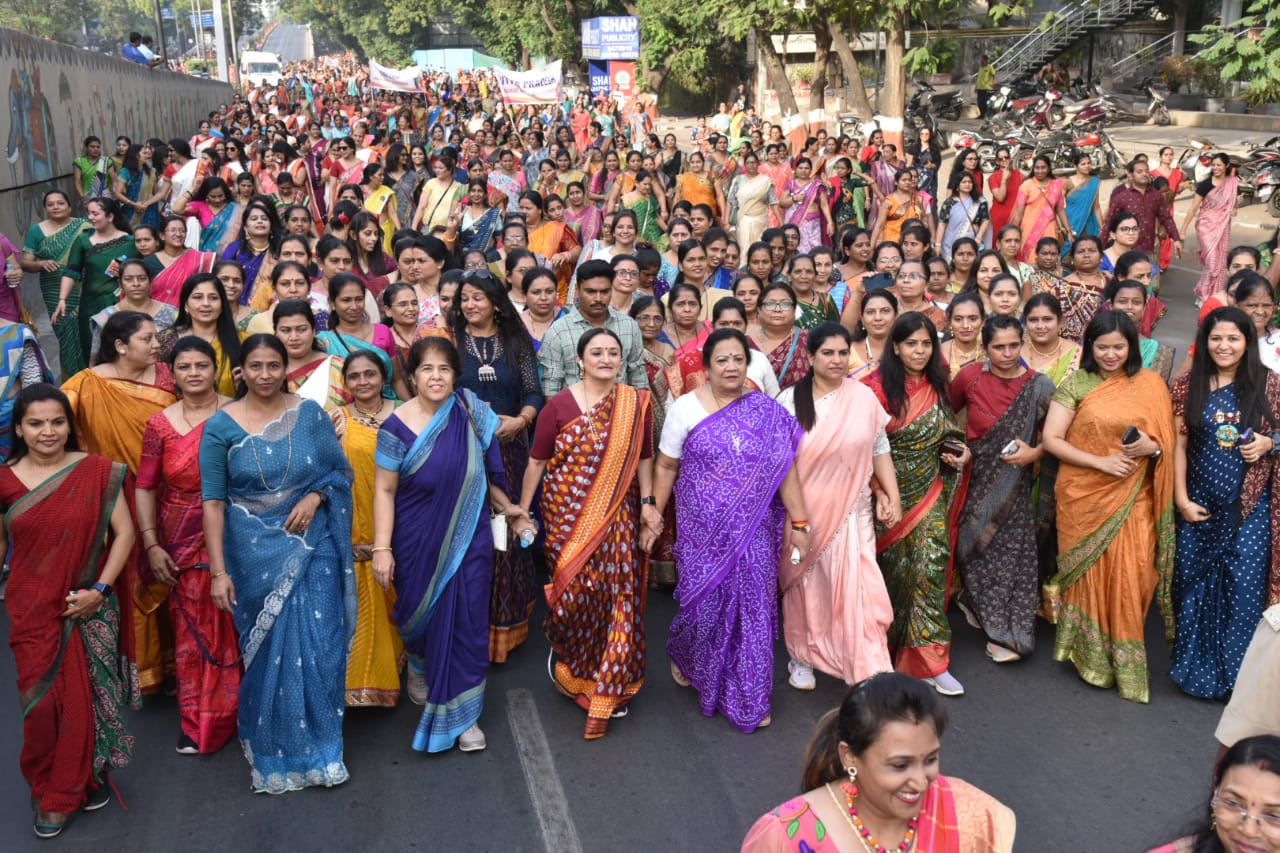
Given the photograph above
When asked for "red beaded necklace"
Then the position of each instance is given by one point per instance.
(850, 795)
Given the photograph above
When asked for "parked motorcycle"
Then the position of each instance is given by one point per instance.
(944, 105)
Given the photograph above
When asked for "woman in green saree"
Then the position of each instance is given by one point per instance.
(45, 252)
(94, 263)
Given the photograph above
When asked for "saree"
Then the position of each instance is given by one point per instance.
(74, 678)
(1156, 357)
(552, 238)
(687, 371)
(257, 272)
(504, 190)
(1222, 566)
(477, 234)
(166, 285)
(836, 611)
(596, 598)
(898, 212)
(790, 359)
(955, 817)
(727, 551)
(221, 230)
(376, 203)
(662, 563)
(21, 364)
(440, 201)
(373, 666)
(585, 222)
(321, 382)
(916, 555)
(57, 247)
(821, 310)
(444, 548)
(407, 189)
(87, 263)
(698, 189)
(295, 594)
(206, 654)
(110, 418)
(996, 547)
(962, 217)
(340, 346)
(1039, 215)
(1115, 536)
(647, 211)
(138, 187)
(807, 214)
(849, 200)
(752, 197)
(93, 175)
(1080, 212)
(1079, 303)
(1213, 233)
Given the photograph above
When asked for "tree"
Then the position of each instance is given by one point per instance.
(1247, 50)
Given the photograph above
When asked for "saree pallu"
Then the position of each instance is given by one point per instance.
(790, 359)
(321, 382)
(504, 190)
(849, 200)
(647, 211)
(552, 238)
(206, 652)
(727, 551)
(407, 189)
(295, 594)
(1039, 215)
(21, 363)
(698, 189)
(586, 222)
(821, 310)
(515, 585)
(221, 230)
(1156, 357)
(662, 562)
(138, 187)
(88, 263)
(916, 555)
(752, 198)
(257, 272)
(996, 547)
(1222, 565)
(955, 817)
(1213, 233)
(899, 212)
(110, 418)
(962, 217)
(1080, 211)
(687, 371)
(1115, 535)
(444, 548)
(74, 679)
(373, 667)
(57, 247)
(167, 284)
(836, 611)
(1079, 303)
(807, 214)
(478, 236)
(597, 595)
(340, 346)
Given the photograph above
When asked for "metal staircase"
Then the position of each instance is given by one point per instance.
(1073, 22)
(1141, 64)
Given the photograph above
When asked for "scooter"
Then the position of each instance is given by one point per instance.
(1101, 148)
(945, 105)
(1267, 187)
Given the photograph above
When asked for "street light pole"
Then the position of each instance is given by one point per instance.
(219, 40)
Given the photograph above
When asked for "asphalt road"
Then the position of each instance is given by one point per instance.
(1083, 769)
(291, 42)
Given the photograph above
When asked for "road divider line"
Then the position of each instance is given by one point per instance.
(550, 804)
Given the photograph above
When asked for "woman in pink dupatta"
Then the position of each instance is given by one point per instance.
(843, 787)
(836, 610)
(1215, 202)
(1041, 209)
(167, 279)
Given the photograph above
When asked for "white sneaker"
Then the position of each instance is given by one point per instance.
(946, 684)
(969, 615)
(472, 740)
(416, 687)
(801, 676)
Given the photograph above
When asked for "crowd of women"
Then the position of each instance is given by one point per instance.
(331, 405)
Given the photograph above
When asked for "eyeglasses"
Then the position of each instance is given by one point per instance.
(910, 276)
(1223, 807)
(480, 265)
(626, 273)
(1129, 229)
(771, 305)
(653, 319)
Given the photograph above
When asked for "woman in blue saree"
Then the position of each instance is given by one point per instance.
(21, 364)
(727, 454)
(277, 523)
(1084, 210)
(1224, 491)
(439, 468)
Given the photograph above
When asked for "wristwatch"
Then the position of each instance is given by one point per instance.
(649, 501)
(103, 588)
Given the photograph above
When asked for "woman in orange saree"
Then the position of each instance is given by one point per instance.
(554, 241)
(69, 634)
(112, 403)
(1115, 508)
(596, 598)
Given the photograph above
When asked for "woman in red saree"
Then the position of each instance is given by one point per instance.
(688, 334)
(170, 514)
(844, 788)
(175, 263)
(598, 433)
(1215, 202)
(73, 674)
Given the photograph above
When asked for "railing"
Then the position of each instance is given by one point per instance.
(1066, 26)
(1158, 49)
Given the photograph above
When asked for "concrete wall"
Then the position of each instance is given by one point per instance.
(58, 95)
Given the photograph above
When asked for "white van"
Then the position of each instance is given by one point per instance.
(258, 67)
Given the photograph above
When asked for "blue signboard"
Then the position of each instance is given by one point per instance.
(205, 20)
(166, 14)
(611, 38)
(598, 77)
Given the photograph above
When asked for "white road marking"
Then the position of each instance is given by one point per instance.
(559, 835)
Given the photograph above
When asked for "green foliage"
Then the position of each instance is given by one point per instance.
(1208, 79)
(1247, 51)
(1175, 72)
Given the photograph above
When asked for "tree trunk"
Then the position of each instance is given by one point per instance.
(821, 56)
(894, 101)
(858, 100)
(777, 71)
(1179, 28)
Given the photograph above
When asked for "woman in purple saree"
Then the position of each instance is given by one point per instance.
(727, 454)
(438, 470)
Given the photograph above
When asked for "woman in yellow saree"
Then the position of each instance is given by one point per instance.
(753, 197)
(1115, 507)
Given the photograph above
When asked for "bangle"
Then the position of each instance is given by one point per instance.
(154, 545)
(378, 548)
(216, 575)
(796, 521)
(148, 530)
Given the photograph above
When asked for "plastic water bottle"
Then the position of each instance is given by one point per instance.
(526, 538)
(8, 268)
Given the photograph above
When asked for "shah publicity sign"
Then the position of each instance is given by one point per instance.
(611, 38)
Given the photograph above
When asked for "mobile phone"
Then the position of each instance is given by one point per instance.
(879, 281)
(953, 448)
(1246, 436)
(1010, 448)
(1130, 435)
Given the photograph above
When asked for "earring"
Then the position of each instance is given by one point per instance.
(853, 781)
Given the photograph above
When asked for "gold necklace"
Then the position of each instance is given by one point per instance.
(1049, 355)
(967, 356)
(186, 418)
(369, 419)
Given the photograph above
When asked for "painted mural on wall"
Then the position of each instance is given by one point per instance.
(58, 95)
